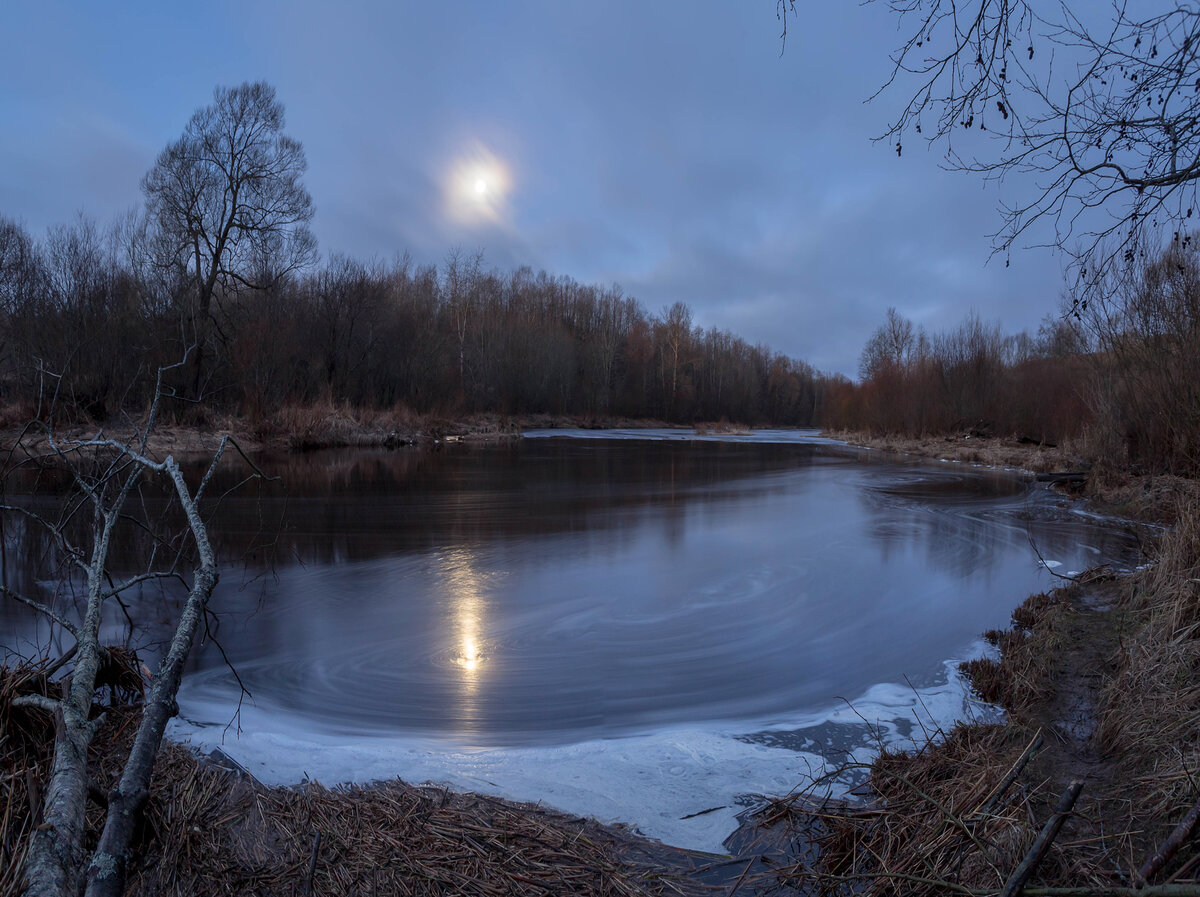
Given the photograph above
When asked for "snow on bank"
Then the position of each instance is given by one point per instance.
(653, 781)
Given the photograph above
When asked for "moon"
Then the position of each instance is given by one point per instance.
(476, 187)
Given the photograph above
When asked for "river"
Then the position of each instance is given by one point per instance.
(636, 625)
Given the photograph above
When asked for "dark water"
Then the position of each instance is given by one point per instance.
(557, 589)
(554, 589)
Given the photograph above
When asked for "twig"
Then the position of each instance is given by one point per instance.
(1049, 569)
(998, 794)
(41, 609)
(312, 864)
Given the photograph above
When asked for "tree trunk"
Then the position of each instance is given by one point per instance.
(55, 852)
(106, 872)
(55, 862)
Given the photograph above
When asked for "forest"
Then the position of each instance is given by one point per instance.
(1114, 374)
(217, 275)
(87, 311)
(91, 305)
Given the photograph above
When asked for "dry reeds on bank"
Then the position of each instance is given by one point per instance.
(210, 829)
(948, 818)
(1101, 681)
(26, 739)
(214, 830)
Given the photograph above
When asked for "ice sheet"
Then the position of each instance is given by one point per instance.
(651, 781)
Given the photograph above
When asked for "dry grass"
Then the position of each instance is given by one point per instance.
(990, 451)
(1150, 707)
(941, 818)
(1152, 498)
(213, 830)
(332, 424)
(1109, 670)
(24, 752)
(721, 428)
(1111, 486)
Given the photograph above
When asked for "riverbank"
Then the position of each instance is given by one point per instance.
(1148, 498)
(1100, 682)
(211, 828)
(300, 428)
(985, 756)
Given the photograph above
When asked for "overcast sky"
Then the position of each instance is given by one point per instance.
(665, 146)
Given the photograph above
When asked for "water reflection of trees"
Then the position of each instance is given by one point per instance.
(345, 506)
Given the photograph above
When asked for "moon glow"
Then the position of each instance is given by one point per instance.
(477, 187)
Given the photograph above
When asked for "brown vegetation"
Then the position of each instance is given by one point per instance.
(212, 829)
(991, 451)
(84, 311)
(1116, 382)
(1099, 682)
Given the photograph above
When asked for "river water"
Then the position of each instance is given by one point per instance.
(635, 625)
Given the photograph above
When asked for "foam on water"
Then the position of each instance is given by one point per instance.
(652, 781)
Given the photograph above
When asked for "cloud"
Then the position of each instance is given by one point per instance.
(680, 155)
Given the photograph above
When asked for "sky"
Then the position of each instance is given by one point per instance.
(676, 149)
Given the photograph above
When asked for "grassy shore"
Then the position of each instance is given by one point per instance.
(1154, 499)
(1101, 683)
(299, 428)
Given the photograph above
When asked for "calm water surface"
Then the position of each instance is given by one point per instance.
(558, 589)
(639, 629)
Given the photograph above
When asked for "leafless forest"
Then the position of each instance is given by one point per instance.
(88, 311)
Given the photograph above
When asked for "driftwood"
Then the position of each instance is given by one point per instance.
(1041, 844)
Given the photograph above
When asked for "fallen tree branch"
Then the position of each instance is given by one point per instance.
(41, 702)
(1042, 842)
(1177, 839)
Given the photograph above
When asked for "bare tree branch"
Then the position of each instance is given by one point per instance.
(41, 609)
(1098, 107)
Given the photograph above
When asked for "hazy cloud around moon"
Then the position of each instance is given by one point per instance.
(674, 151)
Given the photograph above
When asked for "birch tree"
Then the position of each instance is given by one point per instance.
(106, 473)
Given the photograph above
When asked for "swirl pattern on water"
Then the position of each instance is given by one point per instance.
(558, 590)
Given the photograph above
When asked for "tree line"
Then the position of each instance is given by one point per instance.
(88, 309)
(1117, 370)
(218, 266)
(219, 263)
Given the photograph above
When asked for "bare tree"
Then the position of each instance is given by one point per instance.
(228, 196)
(1145, 322)
(1099, 103)
(106, 473)
(890, 346)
